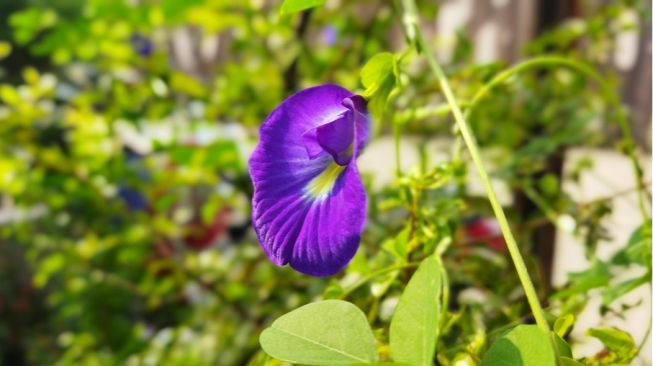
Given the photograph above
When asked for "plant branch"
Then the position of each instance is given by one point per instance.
(609, 95)
(413, 33)
(642, 343)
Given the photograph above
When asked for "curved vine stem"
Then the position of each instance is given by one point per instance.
(410, 21)
(609, 95)
(642, 343)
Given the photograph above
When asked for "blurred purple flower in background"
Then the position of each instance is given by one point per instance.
(131, 196)
(309, 202)
(330, 35)
(141, 44)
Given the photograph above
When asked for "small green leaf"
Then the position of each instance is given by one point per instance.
(415, 324)
(638, 248)
(614, 292)
(562, 347)
(618, 342)
(563, 324)
(379, 68)
(330, 332)
(566, 361)
(378, 77)
(580, 282)
(549, 185)
(293, 6)
(525, 345)
(399, 245)
(5, 49)
(639, 245)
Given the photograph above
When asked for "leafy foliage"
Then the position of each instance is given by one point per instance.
(125, 130)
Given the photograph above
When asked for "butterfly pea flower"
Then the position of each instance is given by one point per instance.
(141, 44)
(330, 35)
(309, 203)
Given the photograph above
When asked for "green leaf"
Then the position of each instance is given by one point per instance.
(378, 77)
(380, 364)
(379, 68)
(614, 292)
(618, 342)
(399, 245)
(638, 248)
(293, 6)
(562, 347)
(330, 332)
(549, 185)
(525, 345)
(563, 324)
(5, 49)
(580, 282)
(415, 324)
(566, 361)
(639, 245)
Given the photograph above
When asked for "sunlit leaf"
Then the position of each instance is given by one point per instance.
(567, 361)
(378, 77)
(563, 324)
(5, 49)
(580, 282)
(561, 345)
(614, 292)
(330, 332)
(415, 325)
(639, 245)
(619, 343)
(525, 345)
(293, 6)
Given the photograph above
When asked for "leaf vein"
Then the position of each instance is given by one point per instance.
(320, 344)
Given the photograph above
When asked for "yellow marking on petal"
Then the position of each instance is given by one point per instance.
(320, 186)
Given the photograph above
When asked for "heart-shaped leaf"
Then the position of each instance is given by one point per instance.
(331, 332)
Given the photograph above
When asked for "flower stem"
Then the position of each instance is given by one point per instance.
(396, 139)
(413, 33)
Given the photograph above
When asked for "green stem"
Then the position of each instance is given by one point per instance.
(609, 94)
(646, 334)
(540, 202)
(412, 31)
(397, 146)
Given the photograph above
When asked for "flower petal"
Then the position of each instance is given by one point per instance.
(332, 227)
(358, 106)
(337, 138)
(307, 210)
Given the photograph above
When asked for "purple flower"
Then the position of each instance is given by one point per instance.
(309, 202)
(141, 44)
(330, 35)
(133, 198)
